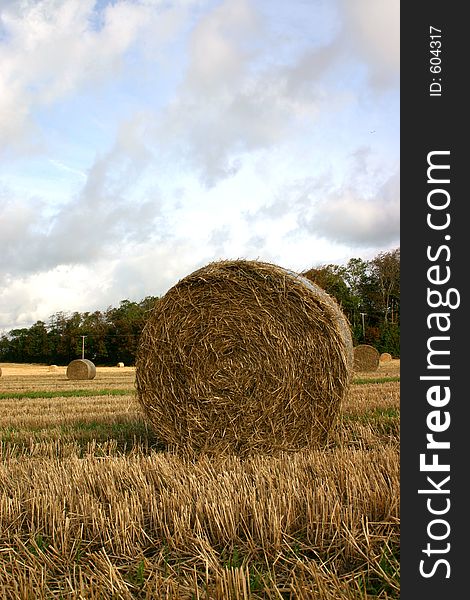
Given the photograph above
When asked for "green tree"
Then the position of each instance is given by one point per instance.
(125, 325)
(369, 295)
(331, 279)
(63, 333)
(386, 269)
(16, 344)
(96, 329)
(36, 347)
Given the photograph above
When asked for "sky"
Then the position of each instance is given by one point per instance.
(143, 139)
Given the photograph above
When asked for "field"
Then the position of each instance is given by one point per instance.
(92, 506)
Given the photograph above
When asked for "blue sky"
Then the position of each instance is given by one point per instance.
(142, 139)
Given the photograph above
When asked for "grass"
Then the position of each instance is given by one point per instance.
(125, 435)
(64, 393)
(126, 391)
(374, 415)
(91, 506)
(360, 381)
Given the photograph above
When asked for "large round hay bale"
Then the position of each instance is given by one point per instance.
(243, 356)
(366, 358)
(81, 368)
(385, 357)
(120, 365)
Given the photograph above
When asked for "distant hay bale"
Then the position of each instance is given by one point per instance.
(0, 371)
(81, 368)
(120, 365)
(53, 368)
(243, 356)
(366, 358)
(385, 357)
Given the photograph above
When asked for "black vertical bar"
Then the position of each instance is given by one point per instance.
(434, 523)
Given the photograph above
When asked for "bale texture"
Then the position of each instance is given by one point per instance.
(385, 357)
(366, 358)
(244, 357)
(81, 368)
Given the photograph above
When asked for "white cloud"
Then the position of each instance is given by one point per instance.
(217, 54)
(37, 296)
(347, 217)
(135, 271)
(360, 209)
(52, 48)
(167, 135)
(372, 29)
(240, 95)
(109, 211)
(60, 165)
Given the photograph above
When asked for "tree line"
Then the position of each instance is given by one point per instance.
(369, 295)
(367, 291)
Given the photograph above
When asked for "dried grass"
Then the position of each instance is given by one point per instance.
(301, 522)
(244, 356)
(366, 358)
(81, 368)
(83, 519)
(18, 378)
(385, 357)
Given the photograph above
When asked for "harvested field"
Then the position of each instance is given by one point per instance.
(92, 506)
(21, 377)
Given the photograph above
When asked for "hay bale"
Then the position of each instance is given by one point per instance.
(366, 358)
(243, 356)
(120, 365)
(0, 371)
(81, 368)
(385, 357)
(53, 368)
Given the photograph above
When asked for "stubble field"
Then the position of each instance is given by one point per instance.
(93, 506)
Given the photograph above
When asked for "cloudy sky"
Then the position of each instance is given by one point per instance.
(142, 139)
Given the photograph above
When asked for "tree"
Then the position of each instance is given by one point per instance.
(96, 329)
(364, 290)
(125, 325)
(386, 269)
(63, 334)
(331, 279)
(357, 277)
(16, 339)
(37, 344)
